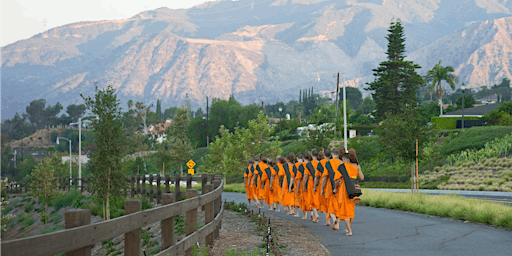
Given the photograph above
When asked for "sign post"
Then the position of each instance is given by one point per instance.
(190, 166)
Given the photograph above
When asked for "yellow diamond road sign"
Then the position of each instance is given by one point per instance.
(191, 171)
(191, 164)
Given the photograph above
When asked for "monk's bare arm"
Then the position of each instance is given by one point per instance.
(245, 182)
(360, 173)
(316, 181)
(272, 181)
(290, 185)
(324, 182)
(298, 186)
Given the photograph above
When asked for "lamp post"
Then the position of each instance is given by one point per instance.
(69, 157)
(280, 116)
(80, 150)
(463, 87)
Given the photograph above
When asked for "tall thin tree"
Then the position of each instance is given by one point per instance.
(436, 76)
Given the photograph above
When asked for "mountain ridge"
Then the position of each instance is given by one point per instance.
(263, 50)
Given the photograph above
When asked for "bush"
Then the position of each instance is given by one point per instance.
(475, 138)
(449, 123)
(65, 200)
(29, 208)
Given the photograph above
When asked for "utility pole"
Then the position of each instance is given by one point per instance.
(462, 126)
(207, 131)
(337, 93)
(261, 105)
(344, 115)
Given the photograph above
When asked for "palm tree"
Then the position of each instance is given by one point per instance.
(436, 76)
(430, 90)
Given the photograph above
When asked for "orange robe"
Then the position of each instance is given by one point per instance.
(333, 206)
(288, 198)
(266, 177)
(308, 196)
(322, 200)
(276, 188)
(258, 192)
(260, 167)
(298, 175)
(253, 185)
(346, 205)
(248, 177)
(316, 195)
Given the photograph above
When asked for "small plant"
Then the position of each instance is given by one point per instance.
(179, 224)
(155, 250)
(29, 208)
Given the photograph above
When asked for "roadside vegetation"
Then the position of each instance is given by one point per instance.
(450, 206)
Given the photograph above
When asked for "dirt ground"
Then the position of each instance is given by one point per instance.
(239, 233)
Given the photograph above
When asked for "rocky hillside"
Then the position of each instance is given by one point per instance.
(257, 50)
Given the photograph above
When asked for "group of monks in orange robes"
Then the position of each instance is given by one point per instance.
(312, 183)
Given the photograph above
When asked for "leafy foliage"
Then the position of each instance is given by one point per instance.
(475, 138)
(109, 176)
(42, 185)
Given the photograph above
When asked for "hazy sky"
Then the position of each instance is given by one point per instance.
(21, 19)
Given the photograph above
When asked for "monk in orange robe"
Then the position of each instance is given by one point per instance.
(308, 184)
(323, 157)
(247, 181)
(288, 179)
(266, 177)
(257, 191)
(315, 196)
(330, 177)
(299, 165)
(347, 205)
(276, 186)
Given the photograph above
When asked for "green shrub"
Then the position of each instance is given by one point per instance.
(7, 210)
(475, 138)
(65, 200)
(27, 221)
(29, 208)
(449, 123)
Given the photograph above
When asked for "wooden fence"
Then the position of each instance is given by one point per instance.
(135, 181)
(79, 235)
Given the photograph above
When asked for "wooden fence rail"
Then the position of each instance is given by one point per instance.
(80, 236)
(135, 182)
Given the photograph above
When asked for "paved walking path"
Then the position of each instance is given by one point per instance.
(385, 232)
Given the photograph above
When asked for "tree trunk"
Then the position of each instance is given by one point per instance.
(108, 195)
(430, 95)
(45, 211)
(103, 208)
(181, 166)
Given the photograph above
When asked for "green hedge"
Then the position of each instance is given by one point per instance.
(449, 123)
(475, 138)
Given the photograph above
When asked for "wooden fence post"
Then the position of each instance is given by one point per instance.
(204, 178)
(212, 178)
(132, 191)
(75, 181)
(177, 194)
(167, 185)
(217, 202)
(137, 182)
(143, 186)
(158, 189)
(189, 181)
(151, 188)
(191, 219)
(76, 218)
(167, 224)
(208, 214)
(132, 239)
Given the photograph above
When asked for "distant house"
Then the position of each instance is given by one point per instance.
(158, 130)
(474, 112)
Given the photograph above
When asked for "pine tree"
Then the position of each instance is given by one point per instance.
(300, 96)
(158, 110)
(180, 149)
(397, 82)
(109, 176)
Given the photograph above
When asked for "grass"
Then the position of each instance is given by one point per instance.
(65, 200)
(179, 224)
(234, 187)
(450, 206)
(7, 210)
(241, 252)
(26, 219)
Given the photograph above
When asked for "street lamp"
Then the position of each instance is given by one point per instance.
(463, 87)
(69, 157)
(280, 116)
(80, 149)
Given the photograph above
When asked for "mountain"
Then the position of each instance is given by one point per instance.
(256, 50)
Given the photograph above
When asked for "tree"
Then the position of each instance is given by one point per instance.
(180, 149)
(170, 112)
(367, 106)
(5, 217)
(469, 101)
(199, 113)
(42, 185)
(163, 155)
(354, 97)
(436, 76)
(142, 112)
(75, 111)
(109, 177)
(158, 110)
(396, 81)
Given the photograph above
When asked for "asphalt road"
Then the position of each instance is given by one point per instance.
(388, 232)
